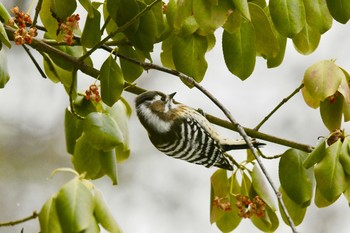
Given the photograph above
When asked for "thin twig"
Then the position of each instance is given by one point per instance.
(285, 100)
(37, 10)
(104, 26)
(71, 100)
(268, 157)
(34, 61)
(12, 223)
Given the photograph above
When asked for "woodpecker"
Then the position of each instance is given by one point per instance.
(182, 132)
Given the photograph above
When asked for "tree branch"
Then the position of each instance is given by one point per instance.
(285, 100)
(16, 222)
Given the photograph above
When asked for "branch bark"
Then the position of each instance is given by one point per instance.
(16, 222)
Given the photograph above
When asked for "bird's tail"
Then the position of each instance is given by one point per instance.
(239, 144)
(223, 163)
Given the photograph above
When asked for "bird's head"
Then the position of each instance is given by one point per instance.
(154, 110)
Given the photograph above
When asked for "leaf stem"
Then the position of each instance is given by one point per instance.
(36, 64)
(16, 222)
(285, 100)
(37, 10)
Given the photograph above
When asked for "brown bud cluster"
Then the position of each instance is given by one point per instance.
(21, 19)
(222, 203)
(93, 93)
(67, 27)
(335, 136)
(247, 208)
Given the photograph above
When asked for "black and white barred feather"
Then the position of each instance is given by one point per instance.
(182, 133)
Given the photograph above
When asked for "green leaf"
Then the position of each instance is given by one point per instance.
(73, 128)
(112, 81)
(296, 212)
(102, 131)
(267, 223)
(277, 60)
(347, 194)
(261, 187)
(317, 15)
(177, 12)
(288, 16)
(112, 26)
(242, 6)
(130, 70)
(94, 163)
(93, 227)
(166, 55)
(307, 40)
(246, 185)
(266, 40)
(157, 11)
(91, 32)
(74, 205)
(109, 165)
(321, 201)
(189, 26)
(339, 9)
(344, 89)
(50, 23)
(316, 155)
(87, 159)
(4, 14)
(103, 214)
(63, 8)
(239, 50)
(188, 55)
(233, 22)
(48, 218)
(322, 79)
(296, 180)
(230, 219)
(3, 36)
(331, 111)
(330, 177)
(120, 112)
(4, 76)
(88, 7)
(344, 157)
(122, 11)
(145, 35)
(220, 188)
(310, 100)
(210, 16)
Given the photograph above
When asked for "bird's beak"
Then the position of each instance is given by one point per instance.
(171, 96)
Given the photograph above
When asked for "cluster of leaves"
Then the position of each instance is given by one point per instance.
(328, 166)
(327, 86)
(99, 140)
(77, 207)
(232, 200)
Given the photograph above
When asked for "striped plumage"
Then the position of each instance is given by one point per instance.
(181, 132)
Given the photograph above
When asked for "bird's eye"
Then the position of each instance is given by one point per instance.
(163, 98)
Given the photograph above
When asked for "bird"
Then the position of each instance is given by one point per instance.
(182, 132)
